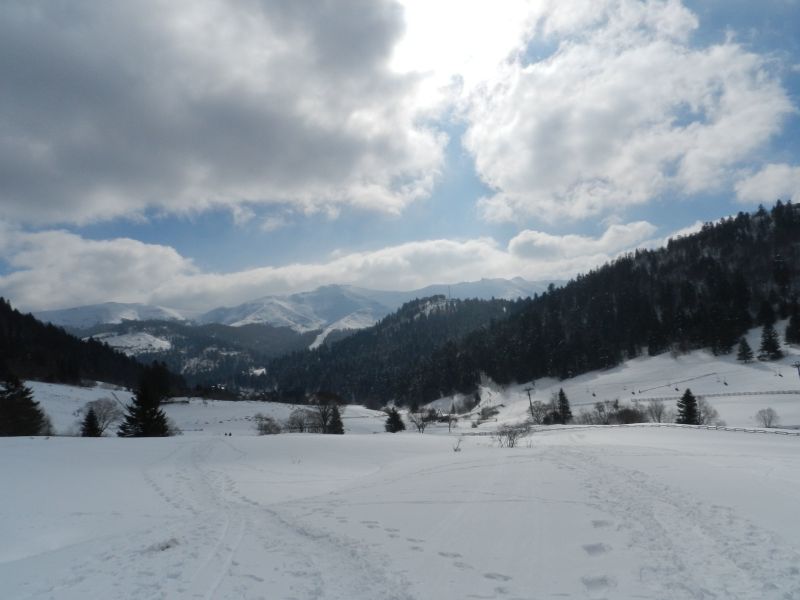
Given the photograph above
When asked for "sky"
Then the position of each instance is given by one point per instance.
(201, 153)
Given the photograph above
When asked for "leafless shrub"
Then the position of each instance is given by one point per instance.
(507, 436)
(266, 425)
(301, 420)
(656, 411)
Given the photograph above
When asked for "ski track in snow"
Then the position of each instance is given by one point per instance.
(205, 547)
(692, 550)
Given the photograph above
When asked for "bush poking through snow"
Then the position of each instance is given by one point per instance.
(508, 435)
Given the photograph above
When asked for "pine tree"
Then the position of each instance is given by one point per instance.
(20, 414)
(335, 424)
(91, 425)
(745, 352)
(687, 409)
(394, 422)
(145, 417)
(564, 412)
(770, 348)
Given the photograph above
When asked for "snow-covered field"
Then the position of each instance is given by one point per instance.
(736, 390)
(610, 513)
(615, 512)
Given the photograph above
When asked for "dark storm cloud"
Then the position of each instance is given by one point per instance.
(107, 109)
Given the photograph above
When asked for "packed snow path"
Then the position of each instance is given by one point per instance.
(578, 514)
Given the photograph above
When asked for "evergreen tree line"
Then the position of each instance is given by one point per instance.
(701, 291)
(21, 414)
(30, 349)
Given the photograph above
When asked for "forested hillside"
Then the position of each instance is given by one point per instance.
(211, 354)
(702, 290)
(409, 354)
(30, 349)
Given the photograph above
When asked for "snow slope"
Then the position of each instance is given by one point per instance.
(134, 343)
(356, 320)
(736, 390)
(109, 312)
(611, 513)
(193, 416)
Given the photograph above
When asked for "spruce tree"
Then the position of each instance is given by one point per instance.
(564, 412)
(745, 352)
(145, 417)
(394, 422)
(770, 348)
(335, 424)
(687, 409)
(20, 414)
(91, 425)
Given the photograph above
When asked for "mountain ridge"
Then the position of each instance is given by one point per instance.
(315, 310)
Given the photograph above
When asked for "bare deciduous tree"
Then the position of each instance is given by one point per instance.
(266, 425)
(707, 414)
(538, 410)
(656, 411)
(301, 420)
(324, 403)
(767, 417)
(419, 420)
(106, 410)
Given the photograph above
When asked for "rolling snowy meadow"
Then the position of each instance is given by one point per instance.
(570, 512)
(614, 513)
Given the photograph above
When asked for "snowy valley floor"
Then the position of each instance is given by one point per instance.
(598, 513)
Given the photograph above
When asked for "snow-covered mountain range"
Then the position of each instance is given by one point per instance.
(327, 308)
(82, 317)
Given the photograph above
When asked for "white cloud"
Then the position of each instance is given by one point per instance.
(683, 232)
(537, 244)
(773, 182)
(56, 269)
(624, 110)
(111, 109)
(59, 269)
